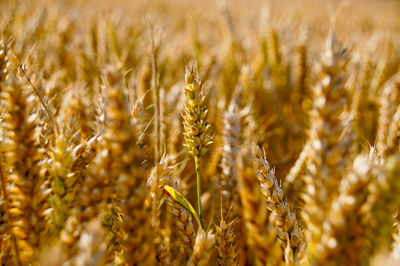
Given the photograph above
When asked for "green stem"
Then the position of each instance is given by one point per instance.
(197, 163)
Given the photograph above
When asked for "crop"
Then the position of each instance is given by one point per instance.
(199, 133)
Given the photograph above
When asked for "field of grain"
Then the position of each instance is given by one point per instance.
(183, 132)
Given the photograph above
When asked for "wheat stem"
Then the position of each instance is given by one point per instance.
(197, 163)
(156, 88)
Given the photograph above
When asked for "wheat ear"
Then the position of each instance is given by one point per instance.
(197, 130)
(284, 219)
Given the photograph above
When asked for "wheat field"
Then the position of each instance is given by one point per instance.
(199, 132)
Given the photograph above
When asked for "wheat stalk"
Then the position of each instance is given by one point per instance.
(197, 136)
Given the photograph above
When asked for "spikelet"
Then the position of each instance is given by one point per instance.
(300, 98)
(164, 177)
(79, 131)
(6, 237)
(109, 176)
(139, 117)
(293, 181)
(382, 203)
(128, 177)
(162, 230)
(274, 54)
(260, 237)
(202, 249)
(65, 59)
(51, 89)
(384, 69)
(185, 230)
(226, 243)
(71, 233)
(82, 115)
(278, 70)
(230, 71)
(302, 88)
(326, 164)
(145, 84)
(178, 232)
(172, 105)
(92, 199)
(84, 154)
(226, 232)
(388, 101)
(197, 135)
(88, 71)
(64, 183)
(284, 219)
(233, 123)
(363, 124)
(344, 235)
(94, 40)
(105, 170)
(28, 192)
(261, 61)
